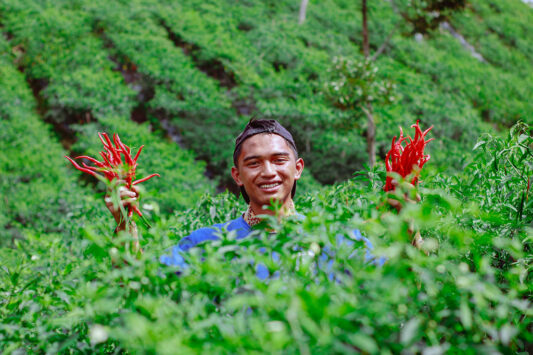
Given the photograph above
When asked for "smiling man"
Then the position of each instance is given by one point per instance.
(266, 168)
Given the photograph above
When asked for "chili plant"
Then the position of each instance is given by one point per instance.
(113, 167)
(409, 160)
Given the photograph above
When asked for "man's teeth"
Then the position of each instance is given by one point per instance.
(269, 185)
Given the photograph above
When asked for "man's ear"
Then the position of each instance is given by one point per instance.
(235, 175)
(299, 168)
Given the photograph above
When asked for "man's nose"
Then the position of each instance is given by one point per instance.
(268, 169)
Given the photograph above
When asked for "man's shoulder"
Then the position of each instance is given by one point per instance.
(211, 233)
(174, 255)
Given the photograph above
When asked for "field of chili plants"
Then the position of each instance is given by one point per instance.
(182, 78)
(468, 289)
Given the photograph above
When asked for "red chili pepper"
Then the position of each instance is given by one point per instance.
(80, 168)
(112, 167)
(138, 153)
(144, 179)
(401, 160)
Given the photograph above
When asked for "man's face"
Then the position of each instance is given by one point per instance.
(267, 168)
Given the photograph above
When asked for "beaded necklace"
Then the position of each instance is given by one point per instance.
(251, 218)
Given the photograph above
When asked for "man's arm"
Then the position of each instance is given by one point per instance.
(416, 240)
(126, 198)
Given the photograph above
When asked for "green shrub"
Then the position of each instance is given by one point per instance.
(38, 191)
(459, 297)
(82, 87)
(503, 169)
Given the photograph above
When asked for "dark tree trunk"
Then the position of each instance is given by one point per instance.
(371, 130)
(370, 135)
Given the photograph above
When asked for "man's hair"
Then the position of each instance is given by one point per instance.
(258, 126)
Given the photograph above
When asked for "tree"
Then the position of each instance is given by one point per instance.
(367, 105)
(355, 86)
(366, 49)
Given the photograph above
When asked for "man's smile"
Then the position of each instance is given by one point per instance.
(270, 187)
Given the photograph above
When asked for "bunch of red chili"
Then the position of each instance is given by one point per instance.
(113, 166)
(406, 160)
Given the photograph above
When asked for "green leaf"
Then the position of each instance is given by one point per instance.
(465, 314)
(410, 331)
(364, 342)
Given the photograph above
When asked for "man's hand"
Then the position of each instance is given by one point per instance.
(398, 205)
(126, 198)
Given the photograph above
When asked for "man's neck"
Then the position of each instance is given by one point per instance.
(286, 209)
(252, 217)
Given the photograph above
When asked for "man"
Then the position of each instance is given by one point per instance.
(266, 169)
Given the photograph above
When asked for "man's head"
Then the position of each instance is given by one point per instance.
(266, 163)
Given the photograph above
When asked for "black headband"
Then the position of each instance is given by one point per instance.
(257, 127)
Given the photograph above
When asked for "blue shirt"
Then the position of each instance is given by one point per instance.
(242, 229)
(175, 258)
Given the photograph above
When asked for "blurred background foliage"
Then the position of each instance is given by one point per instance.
(183, 78)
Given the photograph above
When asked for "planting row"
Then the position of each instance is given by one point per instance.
(206, 67)
(80, 90)
(39, 191)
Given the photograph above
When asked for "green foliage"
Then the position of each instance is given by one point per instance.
(81, 90)
(497, 95)
(508, 20)
(355, 85)
(205, 67)
(38, 190)
(91, 295)
(188, 75)
(426, 15)
(505, 168)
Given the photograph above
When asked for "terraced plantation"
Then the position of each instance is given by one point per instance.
(183, 78)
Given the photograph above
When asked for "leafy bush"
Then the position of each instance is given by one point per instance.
(84, 93)
(38, 191)
(495, 94)
(322, 297)
(505, 168)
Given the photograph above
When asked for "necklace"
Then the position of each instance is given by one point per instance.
(252, 219)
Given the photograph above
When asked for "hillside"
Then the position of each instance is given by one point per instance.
(183, 78)
(204, 68)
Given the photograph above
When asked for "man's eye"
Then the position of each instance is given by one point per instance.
(281, 160)
(253, 163)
